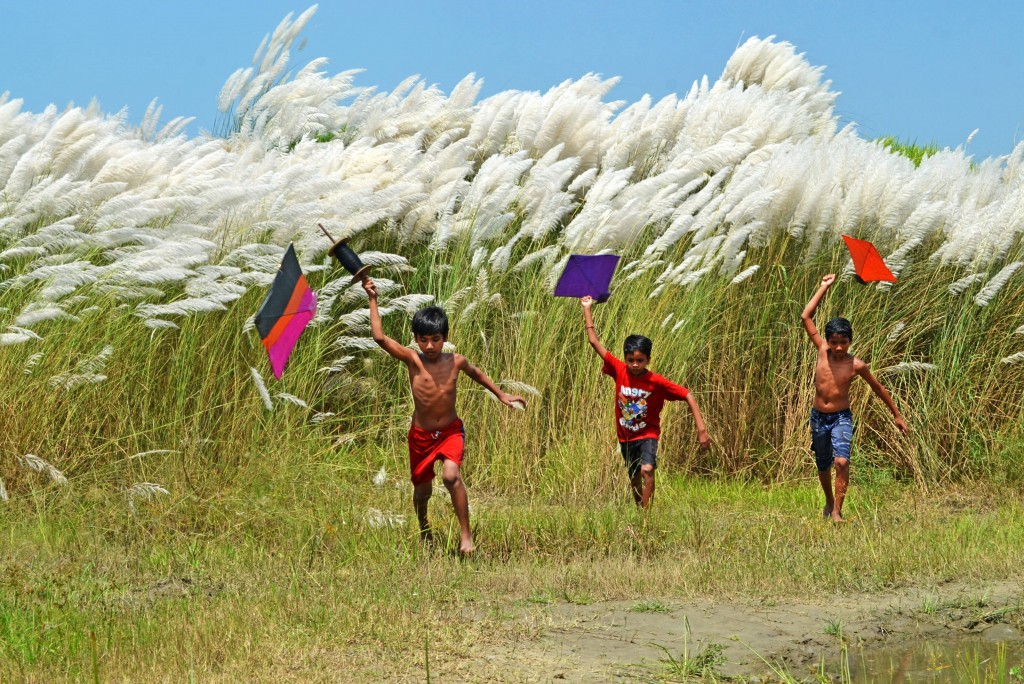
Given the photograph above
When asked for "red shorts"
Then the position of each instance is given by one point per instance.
(425, 447)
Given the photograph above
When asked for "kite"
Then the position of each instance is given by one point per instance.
(285, 312)
(587, 276)
(867, 261)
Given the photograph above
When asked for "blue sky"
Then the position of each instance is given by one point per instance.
(925, 71)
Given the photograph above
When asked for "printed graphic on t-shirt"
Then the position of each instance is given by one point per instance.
(633, 407)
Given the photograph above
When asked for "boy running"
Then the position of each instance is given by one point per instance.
(639, 398)
(436, 431)
(831, 418)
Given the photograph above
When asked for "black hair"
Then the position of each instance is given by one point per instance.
(430, 320)
(637, 343)
(838, 326)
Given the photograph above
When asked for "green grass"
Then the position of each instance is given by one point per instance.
(172, 591)
(262, 558)
(911, 150)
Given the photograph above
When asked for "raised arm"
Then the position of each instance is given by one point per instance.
(862, 369)
(807, 317)
(698, 421)
(480, 377)
(588, 302)
(392, 347)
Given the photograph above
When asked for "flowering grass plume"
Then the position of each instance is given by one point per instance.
(143, 490)
(38, 465)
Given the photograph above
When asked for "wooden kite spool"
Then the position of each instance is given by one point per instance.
(347, 257)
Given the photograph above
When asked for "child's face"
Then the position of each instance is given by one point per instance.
(431, 345)
(838, 344)
(636, 362)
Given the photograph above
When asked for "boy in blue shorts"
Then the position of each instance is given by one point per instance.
(831, 418)
(639, 398)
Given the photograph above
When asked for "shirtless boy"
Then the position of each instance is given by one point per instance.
(831, 418)
(436, 431)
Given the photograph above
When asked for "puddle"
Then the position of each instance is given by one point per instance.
(966, 659)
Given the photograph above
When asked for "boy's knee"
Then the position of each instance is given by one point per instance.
(842, 462)
(647, 470)
(450, 474)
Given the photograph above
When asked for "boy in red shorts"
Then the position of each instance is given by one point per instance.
(639, 398)
(436, 432)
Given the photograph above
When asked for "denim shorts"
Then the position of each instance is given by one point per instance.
(639, 452)
(831, 436)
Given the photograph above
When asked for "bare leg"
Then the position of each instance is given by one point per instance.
(452, 476)
(842, 482)
(825, 477)
(420, 497)
(637, 487)
(647, 475)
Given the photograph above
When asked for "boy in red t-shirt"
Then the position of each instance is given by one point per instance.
(639, 398)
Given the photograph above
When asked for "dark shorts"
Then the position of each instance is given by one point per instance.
(639, 452)
(831, 436)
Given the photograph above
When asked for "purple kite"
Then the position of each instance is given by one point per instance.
(587, 275)
(285, 312)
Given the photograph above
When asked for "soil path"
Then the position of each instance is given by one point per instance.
(632, 640)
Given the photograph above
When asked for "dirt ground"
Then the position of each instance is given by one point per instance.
(651, 640)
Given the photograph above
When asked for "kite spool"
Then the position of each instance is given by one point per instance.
(347, 257)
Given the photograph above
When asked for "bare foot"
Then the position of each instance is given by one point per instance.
(826, 512)
(466, 548)
(837, 517)
(426, 536)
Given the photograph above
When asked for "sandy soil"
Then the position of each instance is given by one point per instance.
(628, 641)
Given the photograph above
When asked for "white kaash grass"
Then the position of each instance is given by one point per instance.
(743, 275)
(519, 387)
(95, 207)
(154, 452)
(3, 492)
(87, 371)
(381, 477)
(33, 361)
(958, 286)
(38, 465)
(261, 387)
(320, 416)
(1014, 359)
(894, 334)
(377, 518)
(997, 282)
(905, 367)
(24, 331)
(143, 490)
(8, 339)
(160, 324)
(291, 399)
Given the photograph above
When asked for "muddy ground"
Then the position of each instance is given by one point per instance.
(658, 639)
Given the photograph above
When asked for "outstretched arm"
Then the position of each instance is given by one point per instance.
(807, 317)
(588, 302)
(480, 377)
(864, 371)
(698, 420)
(392, 347)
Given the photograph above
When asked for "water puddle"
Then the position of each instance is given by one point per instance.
(966, 659)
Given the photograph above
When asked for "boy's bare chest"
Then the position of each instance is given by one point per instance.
(434, 380)
(831, 370)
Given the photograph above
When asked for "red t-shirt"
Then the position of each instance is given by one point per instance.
(639, 400)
